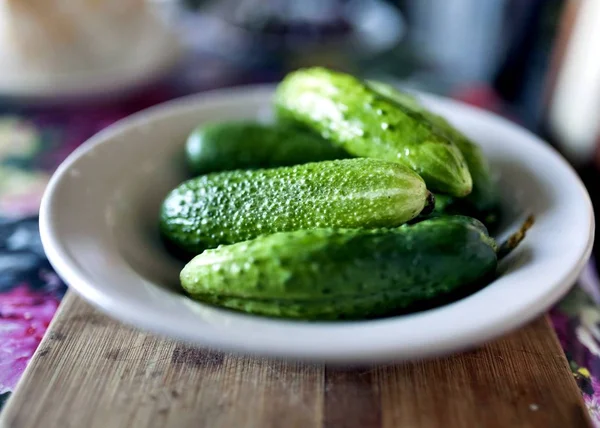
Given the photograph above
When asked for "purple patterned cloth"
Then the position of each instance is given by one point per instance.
(33, 142)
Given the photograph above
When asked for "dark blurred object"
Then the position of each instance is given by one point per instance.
(194, 4)
(530, 27)
(282, 19)
(21, 253)
(520, 40)
(280, 35)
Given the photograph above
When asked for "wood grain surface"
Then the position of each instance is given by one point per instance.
(93, 372)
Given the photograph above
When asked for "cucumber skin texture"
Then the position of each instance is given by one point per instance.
(325, 274)
(347, 112)
(234, 206)
(484, 201)
(225, 146)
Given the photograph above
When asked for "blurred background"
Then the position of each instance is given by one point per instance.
(68, 68)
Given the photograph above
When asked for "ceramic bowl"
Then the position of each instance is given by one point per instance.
(98, 223)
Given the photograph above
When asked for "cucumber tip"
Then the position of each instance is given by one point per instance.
(429, 204)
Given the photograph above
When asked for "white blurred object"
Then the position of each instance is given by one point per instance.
(59, 48)
(574, 111)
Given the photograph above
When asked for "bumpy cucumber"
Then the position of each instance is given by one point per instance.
(226, 146)
(229, 207)
(364, 123)
(345, 274)
(483, 202)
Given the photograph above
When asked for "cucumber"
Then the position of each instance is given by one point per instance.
(345, 274)
(233, 206)
(226, 146)
(448, 205)
(484, 201)
(346, 111)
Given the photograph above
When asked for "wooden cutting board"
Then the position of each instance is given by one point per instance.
(93, 372)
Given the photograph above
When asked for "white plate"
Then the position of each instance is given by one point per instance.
(99, 228)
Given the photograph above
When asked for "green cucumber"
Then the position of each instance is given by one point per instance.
(349, 113)
(225, 146)
(448, 205)
(484, 201)
(233, 206)
(347, 274)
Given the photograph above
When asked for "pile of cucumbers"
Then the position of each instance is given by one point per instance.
(358, 202)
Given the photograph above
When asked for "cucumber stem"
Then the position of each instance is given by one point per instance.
(429, 204)
(515, 239)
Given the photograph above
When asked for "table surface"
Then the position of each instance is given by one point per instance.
(33, 142)
(91, 371)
